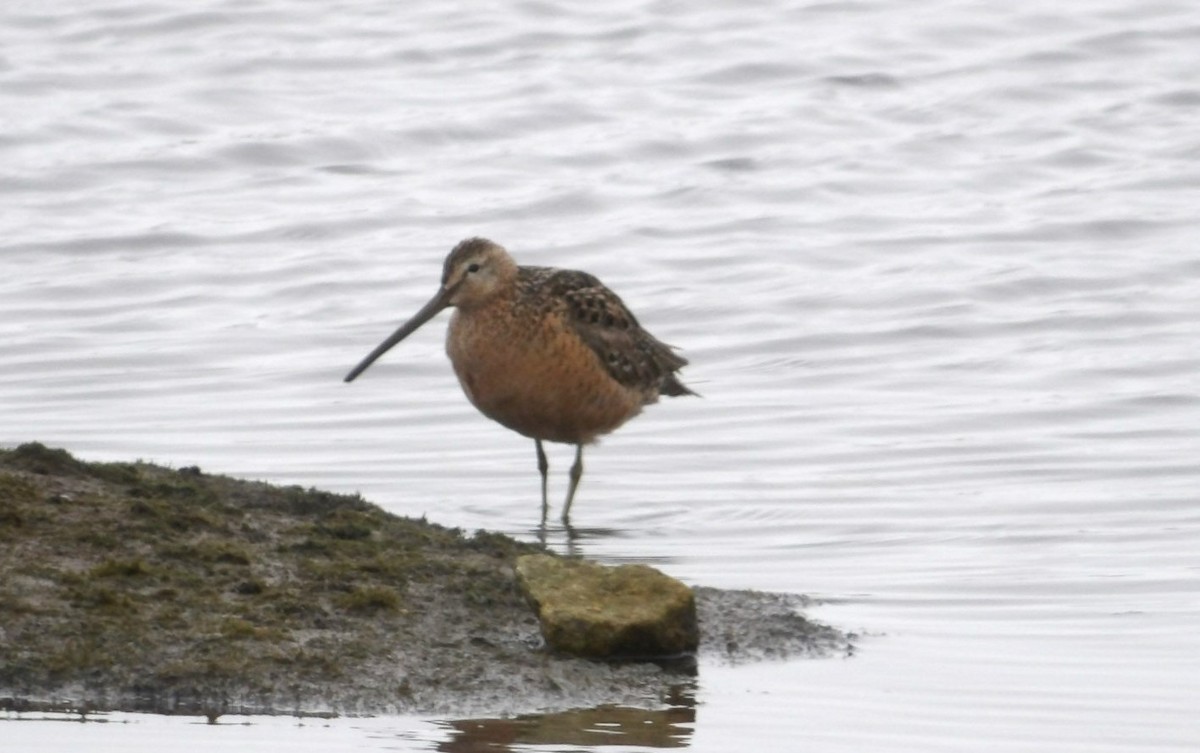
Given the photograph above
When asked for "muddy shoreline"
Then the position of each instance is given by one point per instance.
(134, 587)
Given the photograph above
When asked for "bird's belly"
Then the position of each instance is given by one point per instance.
(550, 387)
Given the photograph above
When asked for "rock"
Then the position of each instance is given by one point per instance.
(600, 612)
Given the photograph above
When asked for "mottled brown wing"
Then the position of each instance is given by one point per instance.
(632, 355)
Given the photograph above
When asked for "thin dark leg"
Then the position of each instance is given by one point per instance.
(576, 474)
(544, 469)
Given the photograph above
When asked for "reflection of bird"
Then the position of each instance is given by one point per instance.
(549, 353)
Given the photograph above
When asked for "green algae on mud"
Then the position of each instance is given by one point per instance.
(154, 589)
(133, 587)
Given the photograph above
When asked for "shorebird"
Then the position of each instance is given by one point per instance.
(550, 353)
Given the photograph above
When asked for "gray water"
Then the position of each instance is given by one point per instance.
(936, 266)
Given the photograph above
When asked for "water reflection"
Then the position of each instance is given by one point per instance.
(569, 540)
(591, 728)
(588, 541)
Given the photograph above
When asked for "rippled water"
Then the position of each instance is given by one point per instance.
(936, 267)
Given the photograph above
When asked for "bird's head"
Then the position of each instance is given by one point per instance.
(476, 271)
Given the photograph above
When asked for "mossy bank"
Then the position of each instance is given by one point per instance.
(129, 586)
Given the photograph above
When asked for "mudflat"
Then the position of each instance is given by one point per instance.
(135, 587)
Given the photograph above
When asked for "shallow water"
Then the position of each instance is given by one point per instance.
(935, 267)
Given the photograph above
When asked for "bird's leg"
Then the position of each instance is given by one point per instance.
(544, 469)
(576, 474)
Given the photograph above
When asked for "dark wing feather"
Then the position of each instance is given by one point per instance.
(631, 355)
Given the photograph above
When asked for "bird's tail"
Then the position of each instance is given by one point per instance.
(672, 387)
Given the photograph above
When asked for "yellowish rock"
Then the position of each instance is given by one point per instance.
(596, 611)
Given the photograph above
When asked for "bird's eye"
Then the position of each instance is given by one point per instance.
(472, 267)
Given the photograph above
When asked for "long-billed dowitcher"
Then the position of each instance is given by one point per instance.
(550, 353)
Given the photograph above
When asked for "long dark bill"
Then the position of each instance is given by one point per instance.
(427, 312)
